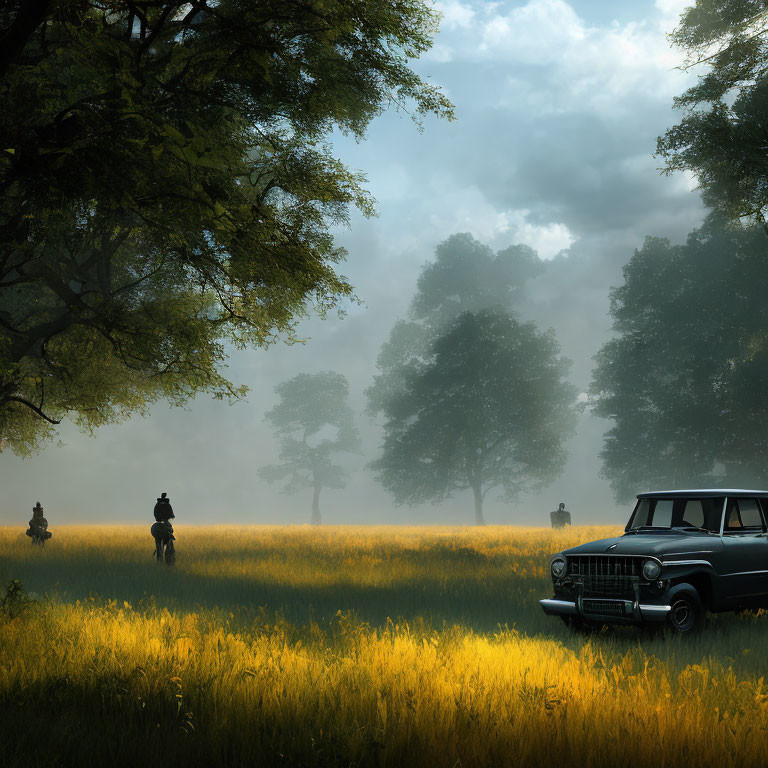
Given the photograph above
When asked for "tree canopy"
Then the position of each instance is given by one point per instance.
(489, 408)
(686, 377)
(721, 137)
(312, 421)
(167, 186)
(466, 276)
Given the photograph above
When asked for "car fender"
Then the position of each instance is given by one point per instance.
(681, 587)
(703, 580)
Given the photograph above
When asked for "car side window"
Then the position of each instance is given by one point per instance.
(693, 514)
(662, 513)
(749, 511)
(743, 516)
(732, 522)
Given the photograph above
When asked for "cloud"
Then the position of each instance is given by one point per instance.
(455, 14)
(547, 240)
(558, 117)
(537, 33)
(671, 10)
(578, 65)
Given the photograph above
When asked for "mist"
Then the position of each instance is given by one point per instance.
(559, 106)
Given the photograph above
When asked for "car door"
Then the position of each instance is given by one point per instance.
(744, 560)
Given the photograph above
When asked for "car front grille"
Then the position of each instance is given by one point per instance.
(605, 574)
(604, 607)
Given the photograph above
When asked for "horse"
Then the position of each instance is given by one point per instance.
(38, 535)
(38, 526)
(162, 533)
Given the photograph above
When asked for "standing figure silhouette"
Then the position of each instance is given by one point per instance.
(162, 531)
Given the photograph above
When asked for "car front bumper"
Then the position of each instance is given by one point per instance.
(606, 610)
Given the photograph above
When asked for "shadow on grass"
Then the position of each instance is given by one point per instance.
(500, 598)
(482, 605)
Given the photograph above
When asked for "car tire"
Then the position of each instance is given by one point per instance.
(687, 612)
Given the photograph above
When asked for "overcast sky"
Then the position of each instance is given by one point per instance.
(559, 105)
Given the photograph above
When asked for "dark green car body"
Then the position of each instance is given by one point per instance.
(706, 547)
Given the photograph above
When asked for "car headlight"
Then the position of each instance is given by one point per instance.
(558, 567)
(651, 569)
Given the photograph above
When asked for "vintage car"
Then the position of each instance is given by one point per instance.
(682, 553)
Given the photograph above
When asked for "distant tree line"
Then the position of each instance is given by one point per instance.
(472, 398)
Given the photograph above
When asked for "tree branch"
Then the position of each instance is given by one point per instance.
(490, 487)
(32, 407)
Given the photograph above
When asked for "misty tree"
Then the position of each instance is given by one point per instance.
(466, 276)
(489, 408)
(685, 381)
(312, 421)
(721, 137)
(168, 188)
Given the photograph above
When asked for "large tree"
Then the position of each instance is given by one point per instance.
(489, 408)
(312, 421)
(466, 276)
(722, 136)
(167, 186)
(686, 377)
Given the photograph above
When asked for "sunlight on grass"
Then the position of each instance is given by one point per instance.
(352, 646)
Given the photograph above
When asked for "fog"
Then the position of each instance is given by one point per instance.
(559, 106)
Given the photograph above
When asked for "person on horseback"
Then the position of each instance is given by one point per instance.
(162, 530)
(163, 509)
(38, 526)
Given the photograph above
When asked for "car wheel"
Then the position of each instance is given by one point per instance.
(687, 612)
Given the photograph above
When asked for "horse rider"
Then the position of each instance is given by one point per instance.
(162, 530)
(163, 509)
(38, 526)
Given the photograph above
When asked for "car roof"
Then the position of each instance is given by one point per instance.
(703, 493)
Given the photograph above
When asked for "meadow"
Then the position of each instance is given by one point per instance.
(351, 646)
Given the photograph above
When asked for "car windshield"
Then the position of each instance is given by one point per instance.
(697, 514)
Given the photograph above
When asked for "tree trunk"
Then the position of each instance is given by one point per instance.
(316, 519)
(31, 14)
(479, 519)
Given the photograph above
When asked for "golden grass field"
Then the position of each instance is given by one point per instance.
(351, 646)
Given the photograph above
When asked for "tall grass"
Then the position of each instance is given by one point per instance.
(352, 646)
